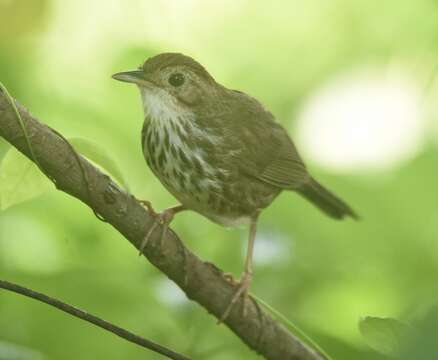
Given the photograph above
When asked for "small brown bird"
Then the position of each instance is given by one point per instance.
(218, 151)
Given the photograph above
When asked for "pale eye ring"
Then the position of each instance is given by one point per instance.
(176, 79)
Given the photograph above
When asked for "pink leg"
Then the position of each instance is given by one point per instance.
(245, 280)
(164, 219)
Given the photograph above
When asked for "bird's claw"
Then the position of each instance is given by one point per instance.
(163, 219)
(147, 204)
(242, 290)
(230, 279)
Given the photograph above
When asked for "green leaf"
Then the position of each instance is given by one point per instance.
(382, 334)
(99, 156)
(20, 179)
(4, 147)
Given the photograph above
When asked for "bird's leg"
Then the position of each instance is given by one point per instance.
(245, 280)
(164, 219)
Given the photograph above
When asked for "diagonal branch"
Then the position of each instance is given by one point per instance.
(202, 282)
(127, 335)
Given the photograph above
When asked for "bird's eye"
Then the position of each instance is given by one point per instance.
(176, 79)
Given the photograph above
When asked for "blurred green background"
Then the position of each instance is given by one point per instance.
(352, 81)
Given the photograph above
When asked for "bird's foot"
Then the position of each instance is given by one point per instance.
(164, 219)
(230, 279)
(242, 290)
(147, 204)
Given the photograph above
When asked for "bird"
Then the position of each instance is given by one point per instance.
(218, 151)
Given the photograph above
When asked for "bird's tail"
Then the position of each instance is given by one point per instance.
(326, 201)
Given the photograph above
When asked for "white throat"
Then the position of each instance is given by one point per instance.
(160, 105)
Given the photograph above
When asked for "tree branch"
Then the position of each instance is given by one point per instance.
(127, 335)
(202, 282)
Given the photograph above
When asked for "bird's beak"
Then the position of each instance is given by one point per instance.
(135, 76)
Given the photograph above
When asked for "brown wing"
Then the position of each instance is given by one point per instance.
(283, 166)
(267, 152)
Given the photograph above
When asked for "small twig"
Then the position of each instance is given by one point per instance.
(296, 330)
(20, 121)
(125, 334)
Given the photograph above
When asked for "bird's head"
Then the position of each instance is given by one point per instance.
(170, 82)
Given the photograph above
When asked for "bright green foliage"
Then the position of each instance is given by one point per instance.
(20, 179)
(384, 335)
(4, 146)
